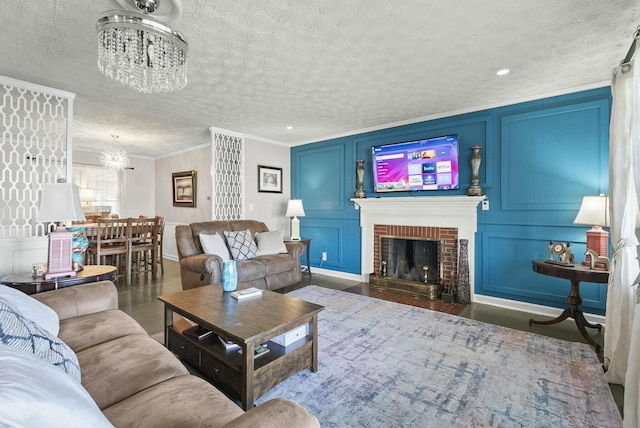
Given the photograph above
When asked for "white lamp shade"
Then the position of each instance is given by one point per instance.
(59, 202)
(87, 195)
(295, 208)
(594, 211)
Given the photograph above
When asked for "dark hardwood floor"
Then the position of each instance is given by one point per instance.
(140, 301)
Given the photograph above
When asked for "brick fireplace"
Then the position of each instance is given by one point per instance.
(448, 236)
(438, 217)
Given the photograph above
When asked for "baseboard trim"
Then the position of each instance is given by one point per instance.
(531, 308)
(336, 274)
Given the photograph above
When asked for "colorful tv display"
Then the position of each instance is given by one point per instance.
(429, 164)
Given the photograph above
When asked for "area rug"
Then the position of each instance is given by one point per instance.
(385, 364)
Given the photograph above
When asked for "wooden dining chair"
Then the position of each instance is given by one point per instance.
(143, 247)
(110, 244)
(160, 250)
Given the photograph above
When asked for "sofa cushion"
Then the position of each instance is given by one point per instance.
(214, 244)
(36, 311)
(241, 244)
(115, 370)
(33, 394)
(90, 330)
(170, 398)
(249, 270)
(278, 263)
(20, 332)
(270, 243)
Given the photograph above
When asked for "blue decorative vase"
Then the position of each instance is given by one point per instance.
(229, 275)
(79, 245)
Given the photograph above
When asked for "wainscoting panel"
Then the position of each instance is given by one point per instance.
(506, 270)
(338, 238)
(17, 255)
(321, 187)
(169, 247)
(553, 157)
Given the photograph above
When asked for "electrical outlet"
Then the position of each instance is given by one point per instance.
(324, 256)
(485, 205)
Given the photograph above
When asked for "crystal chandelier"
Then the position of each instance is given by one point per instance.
(114, 159)
(141, 52)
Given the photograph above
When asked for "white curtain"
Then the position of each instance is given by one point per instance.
(622, 332)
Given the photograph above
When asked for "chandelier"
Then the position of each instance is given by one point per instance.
(114, 159)
(141, 52)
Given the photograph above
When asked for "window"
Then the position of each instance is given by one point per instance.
(105, 184)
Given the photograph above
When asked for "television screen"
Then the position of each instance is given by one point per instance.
(430, 164)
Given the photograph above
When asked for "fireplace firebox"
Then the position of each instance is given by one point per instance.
(404, 255)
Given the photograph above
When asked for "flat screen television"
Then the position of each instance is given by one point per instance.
(429, 164)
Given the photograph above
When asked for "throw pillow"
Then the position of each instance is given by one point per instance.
(241, 244)
(31, 308)
(270, 243)
(33, 394)
(214, 244)
(20, 332)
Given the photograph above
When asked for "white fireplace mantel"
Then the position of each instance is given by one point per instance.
(460, 212)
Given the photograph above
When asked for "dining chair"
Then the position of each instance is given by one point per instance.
(160, 234)
(110, 241)
(143, 246)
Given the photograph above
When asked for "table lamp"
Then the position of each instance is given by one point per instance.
(594, 211)
(87, 195)
(59, 202)
(295, 210)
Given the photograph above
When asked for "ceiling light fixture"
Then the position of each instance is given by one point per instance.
(503, 72)
(114, 159)
(139, 51)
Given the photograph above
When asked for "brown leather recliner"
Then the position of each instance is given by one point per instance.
(268, 272)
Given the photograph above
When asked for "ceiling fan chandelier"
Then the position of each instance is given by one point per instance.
(140, 51)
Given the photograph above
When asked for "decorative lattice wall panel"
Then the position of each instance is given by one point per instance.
(35, 148)
(227, 183)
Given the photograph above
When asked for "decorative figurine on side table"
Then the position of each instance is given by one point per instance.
(595, 261)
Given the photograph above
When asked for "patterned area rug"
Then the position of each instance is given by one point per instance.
(384, 364)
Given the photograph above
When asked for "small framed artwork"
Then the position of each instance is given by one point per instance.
(184, 189)
(269, 179)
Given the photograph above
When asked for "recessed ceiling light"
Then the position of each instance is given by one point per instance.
(503, 72)
(289, 127)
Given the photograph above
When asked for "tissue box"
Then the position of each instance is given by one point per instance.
(292, 335)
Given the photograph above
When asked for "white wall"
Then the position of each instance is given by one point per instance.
(198, 160)
(266, 207)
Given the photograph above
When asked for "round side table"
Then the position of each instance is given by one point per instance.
(26, 283)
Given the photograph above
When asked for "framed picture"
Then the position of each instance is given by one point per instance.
(269, 179)
(184, 189)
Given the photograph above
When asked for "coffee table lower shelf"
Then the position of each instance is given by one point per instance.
(224, 368)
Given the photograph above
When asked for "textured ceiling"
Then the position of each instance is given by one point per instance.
(326, 68)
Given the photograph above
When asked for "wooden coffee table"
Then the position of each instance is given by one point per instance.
(248, 322)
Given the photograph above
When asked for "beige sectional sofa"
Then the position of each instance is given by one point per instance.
(265, 271)
(137, 382)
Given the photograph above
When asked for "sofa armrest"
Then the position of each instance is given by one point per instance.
(204, 263)
(276, 413)
(294, 248)
(81, 299)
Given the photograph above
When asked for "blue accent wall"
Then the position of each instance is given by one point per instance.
(539, 159)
